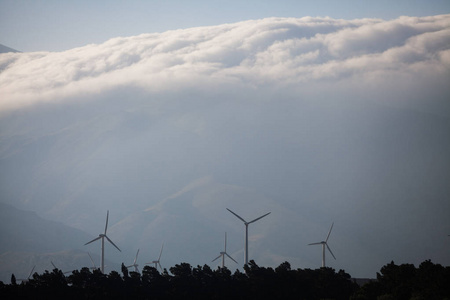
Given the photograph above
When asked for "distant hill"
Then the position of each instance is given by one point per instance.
(4, 49)
(28, 240)
(22, 230)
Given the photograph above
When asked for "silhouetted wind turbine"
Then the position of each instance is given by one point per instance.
(156, 262)
(28, 278)
(93, 263)
(223, 253)
(67, 272)
(102, 236)
(246, 231)
(324, 243)
(135, 265)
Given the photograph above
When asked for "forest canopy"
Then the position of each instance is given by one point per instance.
(428, 281)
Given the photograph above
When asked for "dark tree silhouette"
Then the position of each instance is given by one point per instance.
(428, 281)
(124, 270)
(13, 279)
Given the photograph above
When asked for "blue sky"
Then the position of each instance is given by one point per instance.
(60, 25)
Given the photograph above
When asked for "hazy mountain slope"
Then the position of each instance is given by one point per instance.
(25, 230)
(192, 223)
(28, 240)
(4, 49)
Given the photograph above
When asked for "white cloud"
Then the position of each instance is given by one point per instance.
(274, 53)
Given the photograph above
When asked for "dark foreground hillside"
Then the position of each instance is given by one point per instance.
(429, 281)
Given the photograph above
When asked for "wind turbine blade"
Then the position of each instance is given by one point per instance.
(160, 253)
(107, 215)
(330, 251)
(112, 243)
(97, 238)
(67, 272)
(136, 269)
(320, 243)
(31, 273)
(93, 264)
(216, 258)
(236, 215)
(53, 265)
(230, 258)
(329, 232)
(135, 259)
(258, 218)
(160, 266)
(225, 242)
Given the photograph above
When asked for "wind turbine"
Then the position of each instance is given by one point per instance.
(93, 263)
(67, 272)
(246, 231)
(102, 236)
(223, 253)
(156, 262)
(324, 243)
(28, 278)
(135, 265)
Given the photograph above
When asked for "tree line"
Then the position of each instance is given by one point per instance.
(428, 281)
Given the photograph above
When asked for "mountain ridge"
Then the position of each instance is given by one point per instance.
(5, 49)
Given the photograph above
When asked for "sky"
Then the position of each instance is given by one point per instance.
(61, 25)
(316, 119)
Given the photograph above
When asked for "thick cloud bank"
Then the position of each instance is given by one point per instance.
(406, 59)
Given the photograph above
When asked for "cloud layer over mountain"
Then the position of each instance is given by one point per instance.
(407, 56)
(314, 119)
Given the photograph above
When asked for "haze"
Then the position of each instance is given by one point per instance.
(314, 119)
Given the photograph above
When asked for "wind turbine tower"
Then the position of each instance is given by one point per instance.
(325, 243)
(102, 236)
(223, 253)
(246, 231)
